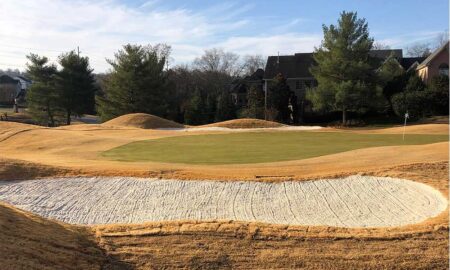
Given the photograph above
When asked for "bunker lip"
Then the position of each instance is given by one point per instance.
(352, 202)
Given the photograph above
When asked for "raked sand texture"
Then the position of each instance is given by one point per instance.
(356, 201)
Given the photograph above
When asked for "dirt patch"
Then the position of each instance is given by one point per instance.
(142, 120)
(245, 123)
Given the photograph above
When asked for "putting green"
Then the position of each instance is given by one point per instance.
(257, 147)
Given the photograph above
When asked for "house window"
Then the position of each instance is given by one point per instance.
(297, 84)
(443, 69)
(308, 84)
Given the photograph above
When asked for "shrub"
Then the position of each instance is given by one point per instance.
(414, 102)
(438, 96)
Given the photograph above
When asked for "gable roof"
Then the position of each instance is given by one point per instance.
(4, 79)
(23, 78)
(291, 66)
(383, 54)
(430, 58)
(408, 62)
(297, 65)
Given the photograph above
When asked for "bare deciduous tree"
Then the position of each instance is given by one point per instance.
(217, 60)
(380, 46)
(441, 39)
(419, 50)
(252, 62)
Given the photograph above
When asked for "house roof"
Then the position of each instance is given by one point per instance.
(297, 65)
(4, 79)
(408, 62)
(430, 58)
(291, 66)
(383, 54)
(23, 78)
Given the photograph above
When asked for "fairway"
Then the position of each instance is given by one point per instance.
(257, 147)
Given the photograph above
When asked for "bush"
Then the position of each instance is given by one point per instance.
(438, 96)
(414, 102)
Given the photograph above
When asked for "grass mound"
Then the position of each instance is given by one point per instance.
(142, 120)
(245, 123)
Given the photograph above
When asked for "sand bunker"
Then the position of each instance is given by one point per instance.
(142, 120)
(356, 201)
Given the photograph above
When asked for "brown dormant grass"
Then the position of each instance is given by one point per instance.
(30, 241)
(27, 241)
(245, 123)
(142, 120)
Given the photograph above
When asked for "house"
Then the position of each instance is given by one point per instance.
(240, 87)
(435, 64)
(13, 88)
(295, 68)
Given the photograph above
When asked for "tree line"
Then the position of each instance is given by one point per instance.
(349, 79)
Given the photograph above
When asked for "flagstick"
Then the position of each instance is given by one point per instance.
(404, 126)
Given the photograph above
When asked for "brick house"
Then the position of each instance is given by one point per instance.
(435, 64)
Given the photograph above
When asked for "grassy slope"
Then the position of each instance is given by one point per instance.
(259, 147)
(31, 242)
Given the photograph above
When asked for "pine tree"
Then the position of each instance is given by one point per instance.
(393, 79)
(344, 70)
(195, 111)
(42, 99)
(225, 108)
(137, 83)
(278, 99)
(255, 103)
(75, 85)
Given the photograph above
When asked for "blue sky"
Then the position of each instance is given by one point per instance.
(50, 27)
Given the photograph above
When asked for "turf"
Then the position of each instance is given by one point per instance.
(257, 147)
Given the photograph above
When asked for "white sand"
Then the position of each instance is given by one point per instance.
(356, 201)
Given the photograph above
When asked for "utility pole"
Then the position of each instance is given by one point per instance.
(78, 51)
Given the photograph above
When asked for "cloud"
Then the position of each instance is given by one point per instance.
(100, 28)
(289, 43)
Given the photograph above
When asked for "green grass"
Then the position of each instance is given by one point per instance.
(256, 147)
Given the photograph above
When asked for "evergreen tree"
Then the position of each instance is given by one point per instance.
(225, 108)
(137, 83)
(392, 78)
(195, 111)
(255, 103)
(344, 68)
(75, 85)
(278, 99)
(42, 99)
(438, 95)
(210, 107)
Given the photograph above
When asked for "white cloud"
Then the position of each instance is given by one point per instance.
(100, 28)
(289, 43)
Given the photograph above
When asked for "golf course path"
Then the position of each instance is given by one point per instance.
(355, 201)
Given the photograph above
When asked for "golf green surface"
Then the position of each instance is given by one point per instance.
(257, 147)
